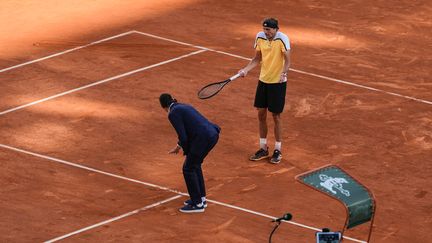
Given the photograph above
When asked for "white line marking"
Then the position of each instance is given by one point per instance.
(272, 217)
(158, 187)
(294, 70)
(66, 51)
(364, 87)
(187, 44)
(113, 219)
(100, 82)
(90, 169)
(170, 40)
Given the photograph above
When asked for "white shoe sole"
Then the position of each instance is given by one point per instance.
(276, 162)
(193, 211)
(265, 157)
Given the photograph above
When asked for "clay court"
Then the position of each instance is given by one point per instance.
(84, 142)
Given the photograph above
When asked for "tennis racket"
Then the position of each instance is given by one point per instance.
(212, 89)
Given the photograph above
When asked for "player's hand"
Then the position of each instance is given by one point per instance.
(283, 77)
(175, 150)
(242, 73)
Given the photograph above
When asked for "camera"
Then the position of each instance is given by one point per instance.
(328, 237)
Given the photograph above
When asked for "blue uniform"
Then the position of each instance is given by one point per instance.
(197, 136)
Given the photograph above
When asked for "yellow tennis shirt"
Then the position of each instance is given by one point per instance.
(272, 55)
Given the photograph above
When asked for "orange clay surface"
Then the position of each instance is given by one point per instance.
(118, 127)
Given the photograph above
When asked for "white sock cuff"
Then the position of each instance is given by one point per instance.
(263, 143)
(278, 145)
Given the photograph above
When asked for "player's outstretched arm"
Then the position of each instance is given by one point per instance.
(251, 65)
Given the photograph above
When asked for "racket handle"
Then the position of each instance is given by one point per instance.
(235, 77)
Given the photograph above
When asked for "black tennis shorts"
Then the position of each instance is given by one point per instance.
(270, 96)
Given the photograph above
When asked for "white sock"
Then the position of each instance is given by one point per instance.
(203, 199)
(263, 143)
(278, 145)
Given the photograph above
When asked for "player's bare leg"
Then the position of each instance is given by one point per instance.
(262, 118)
(277, 127)
(262, 153)
(277, 155)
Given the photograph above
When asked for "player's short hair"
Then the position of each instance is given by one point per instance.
(166, 100)
(271, 23)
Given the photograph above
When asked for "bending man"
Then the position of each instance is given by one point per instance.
(196, 137)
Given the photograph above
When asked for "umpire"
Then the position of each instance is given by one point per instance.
(196, 137)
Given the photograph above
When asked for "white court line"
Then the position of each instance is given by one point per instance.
(66, 51)
(158, 187)
(272, 217)
(91, 169)
(294, 70)
(100, 82)
(112, 220)
(187, 44)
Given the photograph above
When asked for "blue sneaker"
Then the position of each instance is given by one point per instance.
(189, 202)
(192, 208)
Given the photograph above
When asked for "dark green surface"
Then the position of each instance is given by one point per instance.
(338, 184)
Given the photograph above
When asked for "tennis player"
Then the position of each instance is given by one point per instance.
(272, 50)
(197, 136)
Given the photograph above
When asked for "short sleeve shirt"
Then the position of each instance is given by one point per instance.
(272, 55)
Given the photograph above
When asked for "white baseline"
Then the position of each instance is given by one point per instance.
(187, 44)
(292, 69)
(100, 82)
(112, 220)
(158, 187)
(66, 51)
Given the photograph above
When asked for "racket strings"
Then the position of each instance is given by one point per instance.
(210, 90)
